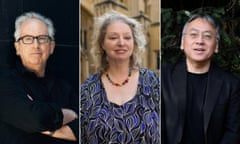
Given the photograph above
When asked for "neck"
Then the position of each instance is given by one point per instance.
(118, 69)
(118, 74)
(40, 73)
(38, 70)
(198, 67)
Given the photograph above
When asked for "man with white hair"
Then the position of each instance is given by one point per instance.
(36, 106)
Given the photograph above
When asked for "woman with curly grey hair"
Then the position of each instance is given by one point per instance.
(120, 103)
(100, 29)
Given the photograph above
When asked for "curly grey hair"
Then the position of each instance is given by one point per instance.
(33, 15)
(99, 32)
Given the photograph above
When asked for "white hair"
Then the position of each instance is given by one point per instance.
(32, 15)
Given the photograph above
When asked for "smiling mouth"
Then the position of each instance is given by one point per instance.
(120, 51)
(199, 49)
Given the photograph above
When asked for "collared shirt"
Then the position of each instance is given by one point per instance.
(29, 105)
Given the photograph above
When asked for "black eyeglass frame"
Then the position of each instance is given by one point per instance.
(35, 37)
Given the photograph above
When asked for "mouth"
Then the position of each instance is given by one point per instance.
(120, 51)
(199, 49)
(36, 53)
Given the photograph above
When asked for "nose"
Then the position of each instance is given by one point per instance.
(35, 43)
(200, 40)
(121, 41)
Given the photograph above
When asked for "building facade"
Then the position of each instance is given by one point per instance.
(145, 11)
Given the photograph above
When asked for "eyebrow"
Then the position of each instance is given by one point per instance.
(116, 33)
(206, 31)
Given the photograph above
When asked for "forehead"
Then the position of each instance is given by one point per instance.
(200, 24)
(119, 26)
(33, 26)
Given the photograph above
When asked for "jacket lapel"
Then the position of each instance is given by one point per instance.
(212, 93)
(179, 80)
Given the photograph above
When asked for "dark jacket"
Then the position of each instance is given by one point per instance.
(221, 112)
(29, 105)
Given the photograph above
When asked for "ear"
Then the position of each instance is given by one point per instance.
(216, 49)
(52, 47)
(17, 48)
(181, 46)
(102, 46)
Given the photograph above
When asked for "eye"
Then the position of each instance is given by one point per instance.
(207, 37)
(28, 38)
(128, 37)
(112, 38)
(42, 38)
(193, 35)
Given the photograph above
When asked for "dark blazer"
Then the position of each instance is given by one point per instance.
(221, 114)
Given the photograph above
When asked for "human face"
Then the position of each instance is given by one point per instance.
(199, 41)
(118, 42)
(34, 56)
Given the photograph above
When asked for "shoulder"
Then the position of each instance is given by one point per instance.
(5, 72)
(149, 83)
(91, 81)
(180, 65)
(173, 72)
(148, 73)
(149, 77)
(221, 74)
(10, 75)
(91, 89)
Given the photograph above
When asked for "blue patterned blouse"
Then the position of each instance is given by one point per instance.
(135, 122)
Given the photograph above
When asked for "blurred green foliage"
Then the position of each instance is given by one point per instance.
(172, 23)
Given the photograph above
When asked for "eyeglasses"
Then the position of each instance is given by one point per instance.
(205, 36)
(41, 39)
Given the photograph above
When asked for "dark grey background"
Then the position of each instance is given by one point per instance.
(65, 16)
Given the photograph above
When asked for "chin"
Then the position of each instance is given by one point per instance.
(36, 63)
(201, 60)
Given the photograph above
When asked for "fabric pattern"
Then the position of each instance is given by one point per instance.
(136, 121)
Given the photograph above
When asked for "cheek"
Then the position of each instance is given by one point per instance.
(49, 49)
(22, 51)
(132, 44)
(107, 45)
(187, 43)
(46, 52)
(184, 43)
(212, 47)
(23, 54)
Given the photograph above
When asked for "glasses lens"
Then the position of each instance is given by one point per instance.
(43, 39)
(27, 39)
